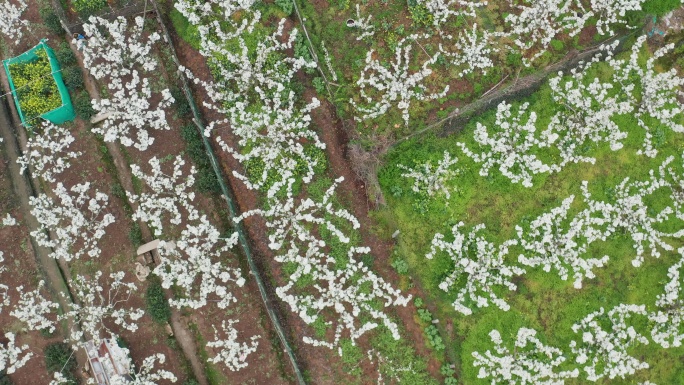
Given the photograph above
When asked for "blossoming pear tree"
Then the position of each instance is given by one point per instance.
(98, 303)
(12, 356)
(198, 11)
(605, 339)
(472, 51)
(146, 374)
(432, 181)
(75, 218)
(129, 109)
(395, 85)
(442, 10)
(528, 361)
(193, 264)
(114, 48)
(479, 268)
(47, 153)
(553, 242)
(232, 353)
(668, 319)
(33, 308)
(510, 145)
(166, 195)
(12, 24)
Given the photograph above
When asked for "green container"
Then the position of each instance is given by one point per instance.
(59, 115)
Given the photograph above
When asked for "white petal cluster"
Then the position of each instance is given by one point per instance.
(551, 241)
(75, 220)
(98, 304)
(4, 289)
(119, 54)
(471, 50)
(198, 11)
(528, 361)
(668, 320)
(32, 308)
(605, 341)
(146, 374)
(656, 97)
(510, 146)
(13, 357)
(365, 25)
(112, 48)
(11, 23)
(47, 152)
(9, 220)
(479, 268)
(165, 196)
(396, 85)
(232, 353)
(432, 181)
(194, 266)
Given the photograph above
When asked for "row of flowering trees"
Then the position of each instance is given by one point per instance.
(530, 27)
(559, 239)
(252, 88)
(587, 112)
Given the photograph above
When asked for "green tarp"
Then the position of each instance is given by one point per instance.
(60, 114)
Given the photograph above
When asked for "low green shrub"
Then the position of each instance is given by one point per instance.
(59, 358)
(425, 315)
(73, 78)
(83, 106)
(65, 55)
(88, 7)
(286, 5)
(4, 378)
(181, 103)
(157, 304)
(135, 234)
(51, 21)
(434, 338)
(660, 7)
(206, 180)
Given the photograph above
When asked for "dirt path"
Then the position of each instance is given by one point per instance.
(180, 330)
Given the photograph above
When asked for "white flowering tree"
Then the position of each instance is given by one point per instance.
(478, 268)
(293, 217)
(47, 152)
(199, 11)
(363, 24)
(97, 304)
(113, 48)
(75, 220)
(193, 263)
(350, 291)
(668, 319)
(586, 116)
(231, 353)
(11, 23)
(9, 220)
(610, 12)
(394, 85)
(274, 136)
(553, 242)
(12, 356)
(33, 308)
(166, 194)
(605, 340)
(146, 374)
(471, 50)
(510, 146)
(431, 180)
(656, 95)
(129, 109)
(528, 361)
(630, 213)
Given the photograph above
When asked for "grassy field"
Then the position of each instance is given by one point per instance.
(542, 301)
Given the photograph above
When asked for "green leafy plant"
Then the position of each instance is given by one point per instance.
(51, 21)
(425, 315)
(59, 358)
(88, 7)
(400, 265)
(83, 106)
(206, 177)
(157, 305)
(434, 338)
(286, 5)
(73, 78)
